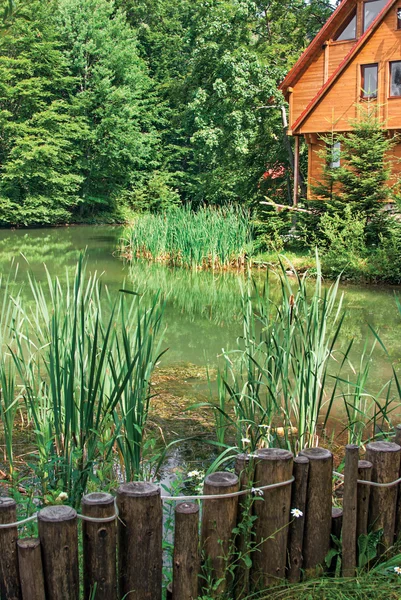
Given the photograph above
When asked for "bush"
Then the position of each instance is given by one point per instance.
(343, 249)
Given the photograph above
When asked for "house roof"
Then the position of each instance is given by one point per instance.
(342, 66)
(340, 14)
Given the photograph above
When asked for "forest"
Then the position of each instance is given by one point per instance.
(114, 106)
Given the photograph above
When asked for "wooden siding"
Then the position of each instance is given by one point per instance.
(337, 51)
(337, 107)
(307, 86)
(316, 161)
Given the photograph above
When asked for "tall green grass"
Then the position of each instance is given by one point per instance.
(82, 363)
(279, 386)
(207, 238)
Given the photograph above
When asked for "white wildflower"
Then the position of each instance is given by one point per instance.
(245, 440)
(295, 512)
(195, 473)
(397, 570)
(257, 491)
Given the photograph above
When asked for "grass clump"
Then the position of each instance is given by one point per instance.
(210, 238)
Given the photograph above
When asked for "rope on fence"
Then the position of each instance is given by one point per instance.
(373, 483)
(256, 491)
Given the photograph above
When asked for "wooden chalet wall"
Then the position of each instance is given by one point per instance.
(324, 87)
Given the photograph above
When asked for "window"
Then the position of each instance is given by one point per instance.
(398, 18)
(348, 32)
(395, 78)
(369, 76)
(370, 11)
(335, 155)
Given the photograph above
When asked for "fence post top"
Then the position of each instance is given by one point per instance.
(138, 489)
(317, 453)
(98, 499)
(28, 543)
(55, 514)
(274, 454)
(383, 447)
(336, 512)
(6, 502)
(187, 508)
(301, 459)
(364, 464)
(222, 479)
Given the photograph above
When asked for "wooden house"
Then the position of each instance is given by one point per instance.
(355, 57)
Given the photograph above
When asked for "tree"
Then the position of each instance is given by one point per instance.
(40, 135)
(362, 181)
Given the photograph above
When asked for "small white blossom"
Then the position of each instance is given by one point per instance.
(295, 512)
(397, 570)
(194, 473)
(246, 441)
(257, 491)
(61, 497)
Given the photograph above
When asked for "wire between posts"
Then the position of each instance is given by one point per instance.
(373, 483)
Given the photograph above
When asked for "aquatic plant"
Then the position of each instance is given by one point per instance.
(84, 363)
(208, 238)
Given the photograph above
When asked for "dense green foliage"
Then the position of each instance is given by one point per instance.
(119, 104)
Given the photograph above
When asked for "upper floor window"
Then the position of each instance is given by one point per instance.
(369, 79)
(398, 18)
(395, 78)
(371, 9)
(335, 155)
(348, 31)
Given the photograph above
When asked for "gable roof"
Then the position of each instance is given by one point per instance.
(341, 13)
(342, 66)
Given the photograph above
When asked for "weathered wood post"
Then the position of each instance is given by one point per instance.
(218, 522)
(297, 526)
(318, 511)
(385, 458)
(273, 465)
(350, 504)
(9, 576)
(244, 468)
(31, 569)
(99, 547)
(140, 529)
(58, 534)
(186, 559)
(365, 474)
(397, 440)
(336, 527)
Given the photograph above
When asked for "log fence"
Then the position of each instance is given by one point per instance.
(278, 504)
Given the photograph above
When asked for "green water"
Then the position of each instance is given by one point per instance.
(202, 313)
(203, 308)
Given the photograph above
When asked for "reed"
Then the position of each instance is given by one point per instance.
(84, 364)
(208, 238)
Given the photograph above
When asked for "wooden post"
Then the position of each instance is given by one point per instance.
(244, 469)
(364, 473)
(272, 510)
(99, 547)
(186, 560)
(318, 512)
(140, 529)
(296, 530)
(336, 527)
(9, 576)
(350, 504)
(31, 569)
(296, 172)
(385, 458)
(58, 534)
(397, 440)
(218, 521)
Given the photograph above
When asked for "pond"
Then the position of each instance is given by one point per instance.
(202, 311)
